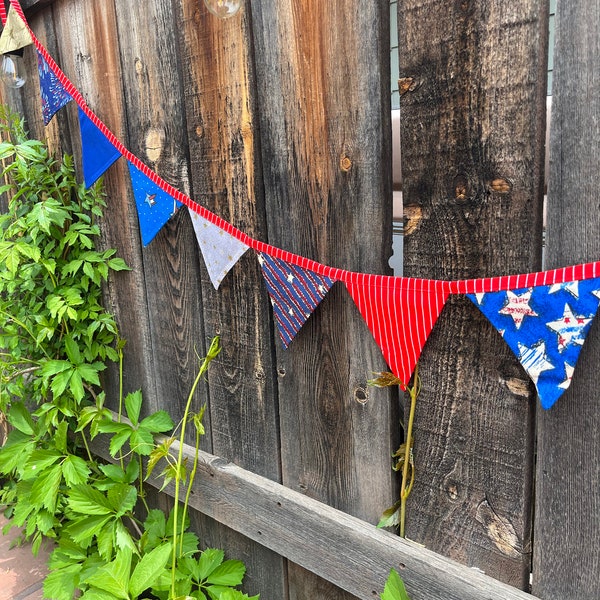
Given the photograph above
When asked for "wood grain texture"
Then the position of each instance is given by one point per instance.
(472, 133)
(323, 90)
(90, 58)
(216, 62)
(567, 525)
(156, 134)
(343, 550)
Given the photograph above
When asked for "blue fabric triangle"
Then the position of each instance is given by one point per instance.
(545, 326)
(97, 152)
(53, 94)
(295, 293)
(154, 206)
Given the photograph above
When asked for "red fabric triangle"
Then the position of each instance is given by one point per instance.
(400, 313)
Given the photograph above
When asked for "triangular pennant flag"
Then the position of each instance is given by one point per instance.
(96, 150)
(295, 293)
(220, 250)
(15, 34)
(400, 314)
(154, 206)
(53, 93)
(545, 326)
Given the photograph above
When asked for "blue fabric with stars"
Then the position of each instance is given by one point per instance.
(295, 293)
(545, 326)
(97, 153)
(53, 94)
(154, 206)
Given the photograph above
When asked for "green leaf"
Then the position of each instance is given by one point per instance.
(230, 573)
(20, 418)
(38, 461)
(122, 497)
(94, 594)
(61, 584)
(44, 491)
(394, 588)
(83, 530)
(133, 405)
(75, 470)
(141, 441)
(157, 422)
(148, 570)
(114, 577)
(209, 560)
(390, 516)
(87, 500)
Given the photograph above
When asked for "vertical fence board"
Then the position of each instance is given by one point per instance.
(89, 56)
(156, 126)
(472, 84)
(220, 105)
(567, 525)
(323, 89)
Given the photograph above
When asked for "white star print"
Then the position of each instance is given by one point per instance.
(534, 360)
(517, 307)
(570, 286)
(479, 297)
(569, 329)
(569, 375)
(290, 278)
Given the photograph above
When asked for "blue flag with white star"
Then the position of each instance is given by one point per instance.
(97, 153)
(154, 206)
(295, 293)
(545, 326)
(53, 94)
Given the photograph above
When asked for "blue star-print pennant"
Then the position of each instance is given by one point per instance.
(97, 153)
(154, 206)
(545, 326)
(53, 94)
(295, 293)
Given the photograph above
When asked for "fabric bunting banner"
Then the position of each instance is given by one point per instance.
(154, 206)
(220, 250)
(15, 34)
(400, 313)
(544, 317)
(295, 293)
(545, 326)
(97, 152)
(54, 96)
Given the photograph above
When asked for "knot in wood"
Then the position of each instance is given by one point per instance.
(500, 185)
(407, 84)
(345, 163)
(361, 395)
(461, 188)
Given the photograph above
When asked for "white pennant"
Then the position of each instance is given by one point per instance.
(220, 250)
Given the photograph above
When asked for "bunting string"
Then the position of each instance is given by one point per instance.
(543, 316)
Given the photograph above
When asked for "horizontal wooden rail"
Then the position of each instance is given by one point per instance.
(342, 549)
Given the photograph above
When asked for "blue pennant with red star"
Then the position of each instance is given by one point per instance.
(97, 153)
(295, 293)
(154, 206)
(53, 94)
(545, 326)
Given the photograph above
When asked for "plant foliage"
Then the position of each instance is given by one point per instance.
(56, 339)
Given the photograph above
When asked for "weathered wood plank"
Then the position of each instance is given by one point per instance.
(567, 524)
(472, 133)
(220, 106)
(155, 122)
(89, 55)
(342, 549)
(323, 89)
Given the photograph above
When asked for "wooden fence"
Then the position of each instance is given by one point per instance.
(278, 120)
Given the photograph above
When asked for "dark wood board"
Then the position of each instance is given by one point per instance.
(567, 524)
(221, 128)
(323, 94)
(472, 82)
